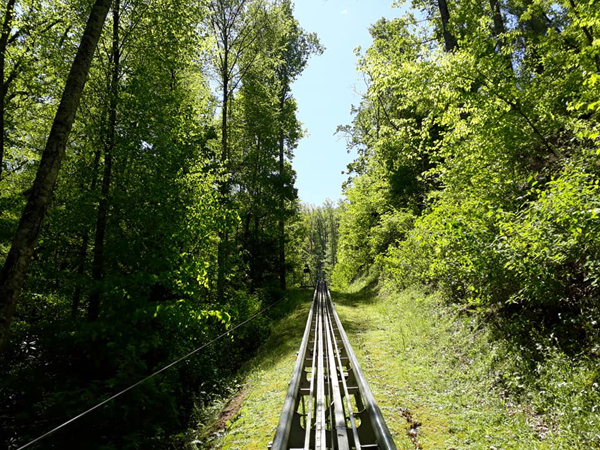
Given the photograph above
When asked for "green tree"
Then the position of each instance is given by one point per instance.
(460, 141)
(296, 46)
(23, 244)
(134, 224)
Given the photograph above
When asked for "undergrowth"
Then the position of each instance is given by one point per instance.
(259, 388)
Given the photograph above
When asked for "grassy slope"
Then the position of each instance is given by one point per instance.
(266, 380)
(422, 365)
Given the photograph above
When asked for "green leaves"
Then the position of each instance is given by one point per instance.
(478, 168)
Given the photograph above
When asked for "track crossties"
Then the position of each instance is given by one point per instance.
(329, 404)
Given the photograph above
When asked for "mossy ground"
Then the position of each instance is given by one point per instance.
(429, 372)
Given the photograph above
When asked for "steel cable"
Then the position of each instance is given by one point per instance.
(168, 366)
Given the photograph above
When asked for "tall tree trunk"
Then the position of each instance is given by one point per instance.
(450, 42)
(222, 245)
(80, 270)
(84, 243)
(498, 30)
(104, 204)
(281, 198)
(497, 19)
(6, 28)
(255, 275)
(225, 93)
(23, 244)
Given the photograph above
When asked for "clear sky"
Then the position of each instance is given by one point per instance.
(327, 88)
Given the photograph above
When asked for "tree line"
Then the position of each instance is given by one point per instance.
(147, 202)
(319, 238)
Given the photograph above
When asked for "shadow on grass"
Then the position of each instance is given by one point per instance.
(365, 296)
(288, 320)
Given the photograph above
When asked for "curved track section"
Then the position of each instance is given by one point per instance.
(329, 404)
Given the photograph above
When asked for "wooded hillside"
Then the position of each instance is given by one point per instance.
(478, 174)
(148, 204)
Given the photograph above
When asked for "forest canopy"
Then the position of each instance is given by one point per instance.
(478, 160)
(148, 200)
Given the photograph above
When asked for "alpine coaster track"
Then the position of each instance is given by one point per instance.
(329, 405)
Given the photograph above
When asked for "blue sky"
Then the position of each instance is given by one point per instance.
(327, 89)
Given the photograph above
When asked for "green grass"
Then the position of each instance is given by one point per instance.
(425, 366)
(265, 380)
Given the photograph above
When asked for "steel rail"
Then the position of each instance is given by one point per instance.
(291, 401)
(320, 423)
(308, 420)
(342, 413)
(339, 416)
(346, 394)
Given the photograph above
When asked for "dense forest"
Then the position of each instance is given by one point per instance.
(147, 203)
(148, 200)
(478, 174)
(320, 233)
